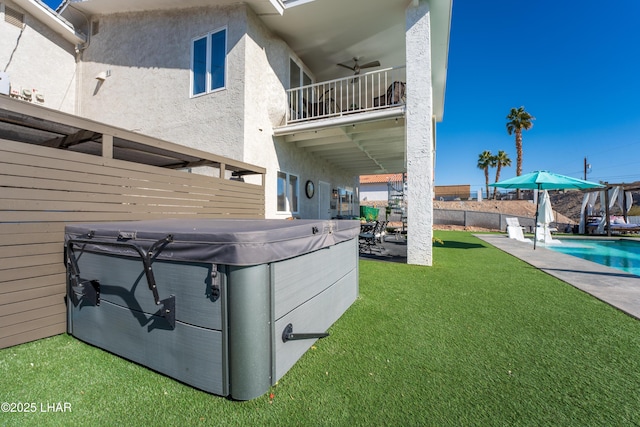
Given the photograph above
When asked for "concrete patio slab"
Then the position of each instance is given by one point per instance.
(615, 287)
(392, 249)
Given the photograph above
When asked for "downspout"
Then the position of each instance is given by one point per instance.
(79, 49)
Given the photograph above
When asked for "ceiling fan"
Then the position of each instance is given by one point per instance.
(357, 67)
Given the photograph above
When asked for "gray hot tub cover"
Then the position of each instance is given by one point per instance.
(221, 241)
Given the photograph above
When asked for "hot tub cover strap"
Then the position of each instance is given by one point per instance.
(80, 287)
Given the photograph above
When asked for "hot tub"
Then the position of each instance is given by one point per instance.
(226, 306)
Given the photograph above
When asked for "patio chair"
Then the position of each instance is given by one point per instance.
(514, 230)
(382, 231)
(370, 239)
(396, 94)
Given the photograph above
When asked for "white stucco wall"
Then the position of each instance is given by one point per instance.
(149, 56)
(38, 58)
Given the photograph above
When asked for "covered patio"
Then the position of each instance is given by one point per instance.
(375, 122)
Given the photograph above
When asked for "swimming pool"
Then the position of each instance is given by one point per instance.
(622, 254)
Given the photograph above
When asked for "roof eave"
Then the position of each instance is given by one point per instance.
(440, 29)
(52, 20)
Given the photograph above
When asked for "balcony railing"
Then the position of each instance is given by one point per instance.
(350, 95)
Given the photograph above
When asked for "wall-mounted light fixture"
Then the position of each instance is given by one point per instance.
(102, 76)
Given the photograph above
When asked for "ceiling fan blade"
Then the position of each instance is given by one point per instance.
(346, 66)
(371, 64)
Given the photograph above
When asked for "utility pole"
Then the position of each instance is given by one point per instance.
(587, 168)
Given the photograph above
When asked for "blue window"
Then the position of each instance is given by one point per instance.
(199, 68)
(208, 62)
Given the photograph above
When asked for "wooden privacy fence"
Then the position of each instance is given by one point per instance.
(42, 189)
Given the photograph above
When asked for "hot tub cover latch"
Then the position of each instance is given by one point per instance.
(87, 290)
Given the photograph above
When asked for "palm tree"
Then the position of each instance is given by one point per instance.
(485, 161)
(519, 120)
(500, 160)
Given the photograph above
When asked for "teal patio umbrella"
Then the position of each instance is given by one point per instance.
(544, 180)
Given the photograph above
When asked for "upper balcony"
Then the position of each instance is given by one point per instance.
(363, 93)
(356, 123)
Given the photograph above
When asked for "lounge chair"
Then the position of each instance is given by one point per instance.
(514, 230)
(543, 234)
(617, 224)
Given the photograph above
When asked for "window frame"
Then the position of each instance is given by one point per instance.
(208, 56)
(346, 201)
(304, 79)
(291, 195)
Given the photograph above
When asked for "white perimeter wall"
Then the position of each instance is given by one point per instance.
(376, 192)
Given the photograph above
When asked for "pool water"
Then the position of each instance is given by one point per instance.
(621, 254)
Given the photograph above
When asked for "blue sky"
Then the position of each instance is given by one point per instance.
(573, 64)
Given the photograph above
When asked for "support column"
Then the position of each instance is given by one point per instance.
(420, 144)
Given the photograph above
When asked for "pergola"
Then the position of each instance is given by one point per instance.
(607, 203)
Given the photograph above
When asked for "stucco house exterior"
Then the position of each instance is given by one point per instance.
(257, 81)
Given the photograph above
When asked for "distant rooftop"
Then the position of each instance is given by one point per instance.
(380, 178)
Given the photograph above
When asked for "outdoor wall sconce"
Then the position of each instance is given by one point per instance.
(102, 76)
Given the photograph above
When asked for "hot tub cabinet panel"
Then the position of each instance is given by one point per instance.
(329, 265)
(185, 299)
(315, 315)
(188, 353)
(122, 282)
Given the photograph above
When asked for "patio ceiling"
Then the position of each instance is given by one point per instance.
(362, 144)
(369, 30)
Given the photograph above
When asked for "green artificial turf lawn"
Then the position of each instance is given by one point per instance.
(478, 339)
